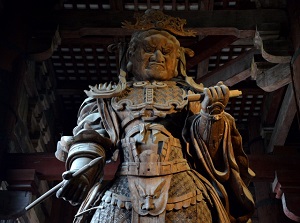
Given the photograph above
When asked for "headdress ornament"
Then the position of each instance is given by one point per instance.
(156, 19)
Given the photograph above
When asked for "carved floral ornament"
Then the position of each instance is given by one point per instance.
(156, 19)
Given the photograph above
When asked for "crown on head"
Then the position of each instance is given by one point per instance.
(156, 19)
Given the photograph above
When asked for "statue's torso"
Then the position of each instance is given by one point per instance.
(154, 176)
(148, 114)
(149, 101)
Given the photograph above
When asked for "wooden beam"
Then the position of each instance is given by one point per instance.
(262, 179)
(61, 211)
(41, 49)
(242, 20)
(208, 5)
(284, 120)
(78, 23)
(207, 47)
(286, 185)
(229, 70)
(46, 166)
(284, 55)
(10, 88)
(108, 31)
(271, 107)
(273, 3)
(294, 14)
(12, 204)
(263, 165)
(238, 78)
(275, 77)
(22, 180)
(202, 68)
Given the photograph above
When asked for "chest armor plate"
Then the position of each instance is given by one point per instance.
(151, 99)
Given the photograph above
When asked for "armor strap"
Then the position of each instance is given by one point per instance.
(138, 128)
(90, 150)
(136, 218)
(212, 117)
(154, 169)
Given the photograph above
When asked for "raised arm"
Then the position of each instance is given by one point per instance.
(218, 146)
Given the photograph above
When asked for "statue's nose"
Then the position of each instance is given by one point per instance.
(157, 57)
(148, 205)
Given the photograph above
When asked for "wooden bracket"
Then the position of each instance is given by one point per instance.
(13, 203)
(286, 185)
(22, 180)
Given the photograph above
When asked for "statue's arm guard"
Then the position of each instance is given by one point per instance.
(89, 139)
(211, 128)
(218, 130)
(219, 148)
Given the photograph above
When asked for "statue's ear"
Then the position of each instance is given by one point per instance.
(189, 52)
(121, 50)
(182, 68)
(182, 60)
(129, 66)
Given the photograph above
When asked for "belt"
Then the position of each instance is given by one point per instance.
(153, 168)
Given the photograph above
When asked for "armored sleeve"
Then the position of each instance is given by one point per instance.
(89, 136)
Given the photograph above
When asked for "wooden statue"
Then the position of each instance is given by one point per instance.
(181, 158)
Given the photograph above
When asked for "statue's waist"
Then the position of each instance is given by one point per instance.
(154, 168)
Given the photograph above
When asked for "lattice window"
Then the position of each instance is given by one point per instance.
(87, 5)
(226, 4)
(247, 105)
(84, 63)
(72, 102)
(225, 55)
(136, 5)
(192, 72)
(167, 5)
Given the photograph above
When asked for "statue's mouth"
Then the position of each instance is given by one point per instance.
(156, 65)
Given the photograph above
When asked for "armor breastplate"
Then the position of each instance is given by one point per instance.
(149, 100)
(151, 154)
(146, 140)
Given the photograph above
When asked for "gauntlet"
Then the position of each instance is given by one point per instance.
(212, 113)
(75, 190)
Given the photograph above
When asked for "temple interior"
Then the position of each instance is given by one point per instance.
(52, 50)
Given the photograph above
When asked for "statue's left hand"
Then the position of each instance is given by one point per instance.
(218, 93)
(75, 189)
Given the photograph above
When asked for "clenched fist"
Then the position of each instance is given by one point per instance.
(214, 96)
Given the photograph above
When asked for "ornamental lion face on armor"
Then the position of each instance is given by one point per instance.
(180, 160)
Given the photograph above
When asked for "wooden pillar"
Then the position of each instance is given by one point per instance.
(294, 15)
(267, 206)
(9, 89)
(12, 51)
(62, 212)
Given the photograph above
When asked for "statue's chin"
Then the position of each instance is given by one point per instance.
(155, 73)
(158, 73)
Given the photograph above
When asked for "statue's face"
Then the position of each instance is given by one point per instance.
(155, 58)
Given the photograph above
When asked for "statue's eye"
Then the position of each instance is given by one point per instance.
(148, 49)
(166, 51)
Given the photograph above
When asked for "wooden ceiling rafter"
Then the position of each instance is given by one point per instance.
(284, 120)
(207, 47)
(86, 26)
(230, 69)
(219, 37)
(205, 20)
